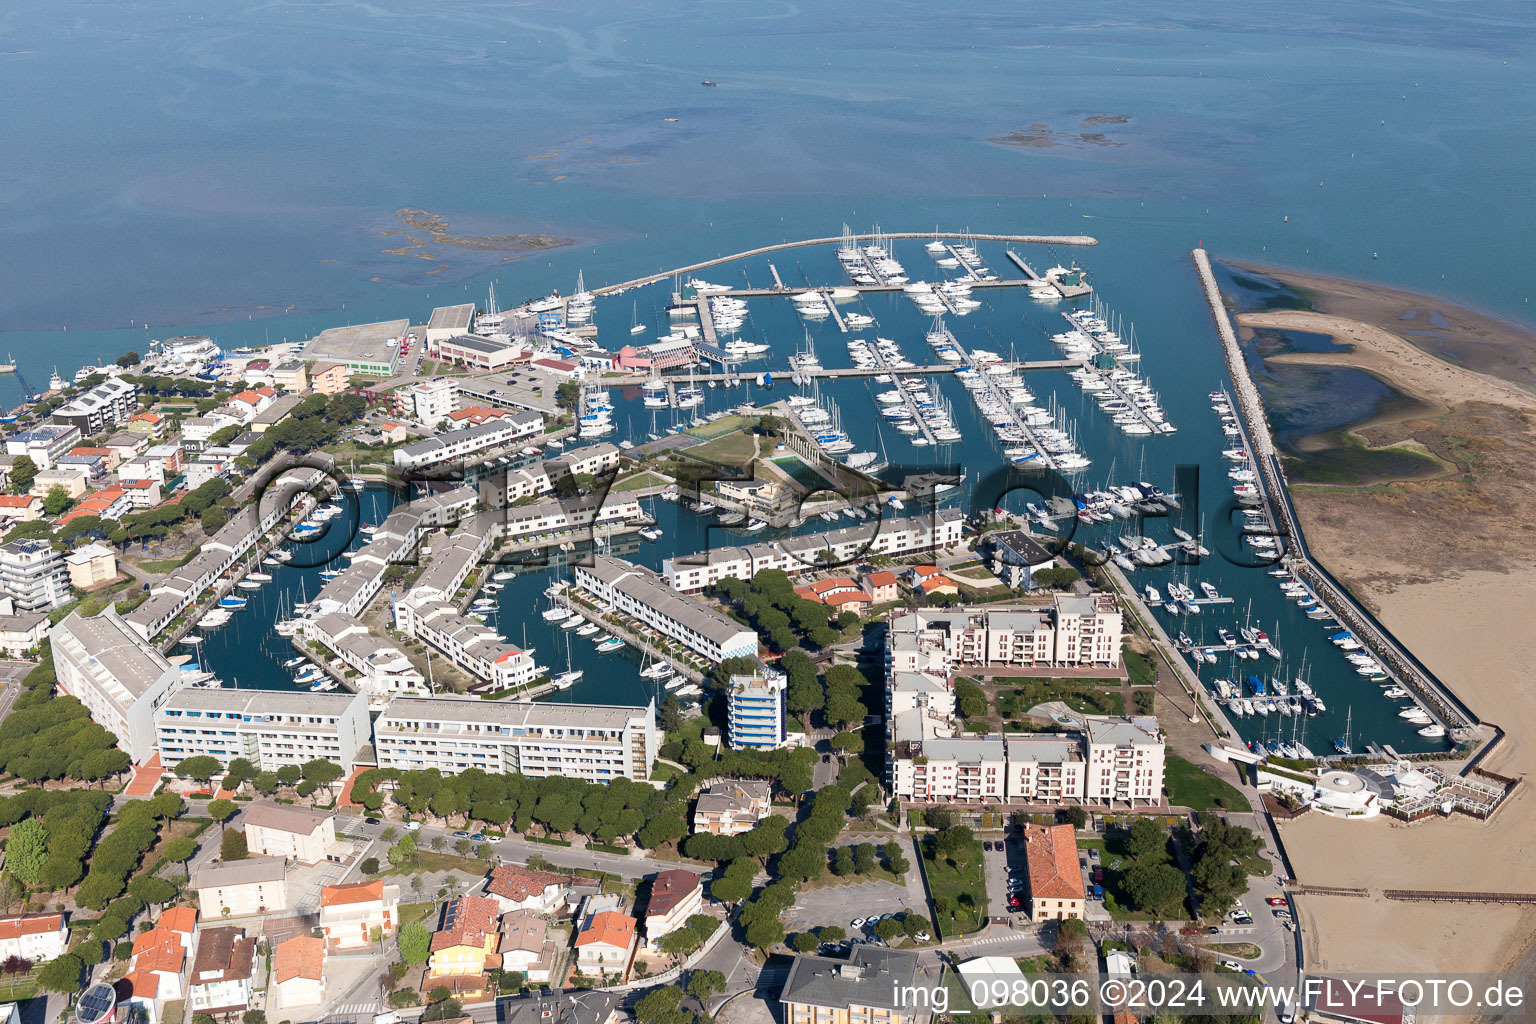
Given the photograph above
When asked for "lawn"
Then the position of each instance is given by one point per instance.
(1080, 695)
(736, 448)
(416, 911)
(1140, 668)
(960, 889)
(157, 565)
(1189, 786)
(724, 425)
(639, 480)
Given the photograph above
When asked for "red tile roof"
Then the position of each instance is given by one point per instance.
(521, 884)
(938, 581)
(300, 957)
(354, 892)
(609, 927)
(13, 926)
(1050, 856)
(18, 500)
(466, 922)
(669, 889)
(883, 578)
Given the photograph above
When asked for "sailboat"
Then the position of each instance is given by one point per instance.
(1342, 743)
(570, 675)
(636, 327)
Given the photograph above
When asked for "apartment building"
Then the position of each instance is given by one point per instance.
(45, 443)
(118, 676)
(299, 834)
(270, 728)
(899, 535)
(730, 807)
(428, 401)
(222, 971)
(469, 442)
(1065, 630)
(676, 896)
(580, 741)
(642, 594)
(1125, 760)
(866, 988)
(350, 913)
(101, 407)
(242, 888)
(91, 566)
(1052, 872)
(757, 712)
(33, 575)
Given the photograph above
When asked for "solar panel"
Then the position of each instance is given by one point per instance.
(97, 1004)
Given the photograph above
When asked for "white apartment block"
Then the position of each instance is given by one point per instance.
(1125, 759)
(384, 669)
(811, 552)
(270, 728)
(116, 674)
(642, 594)
(470, 441)
(555, 516)
(429, 401)
(467, 642)
(595, 743)
(1069, 630)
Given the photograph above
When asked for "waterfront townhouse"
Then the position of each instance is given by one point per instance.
(866, 988)
(222, 971)
(45, 443)
(469, 443)
(270, 728)
(756, 711)
(642, 594)
(242, 888)
(730, 807)
(384, 669)
(349, 913)
(120, 678)
(1053, 873)
(34, 937)
(587, 514)
(467, 642)
(299, 834)
(578, 741)
(33, 575)
(676, 896)
(901, 535)
(101, 407)
(1125, 760)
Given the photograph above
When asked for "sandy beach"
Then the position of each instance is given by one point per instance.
(1442, 565)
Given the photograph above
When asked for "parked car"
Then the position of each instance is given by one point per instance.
(986, 847)
(1015, 902)
(461, 835)
(370, 821)
(478, 837)
(1277, 901)
(413, 826)
(857, 922)
(1098, 893)
(1243, 918)
(1093, 854)
(1284, 915)
(1212, 930)
(1231, 965)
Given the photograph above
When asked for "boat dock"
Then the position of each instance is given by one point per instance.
(970, 271)
(631, 380)
(1018, 261)
(777, 281)
(1045, 458)
(1141, 414)
(706, 322)
(826, 295)
(757, 293)
(906, 398)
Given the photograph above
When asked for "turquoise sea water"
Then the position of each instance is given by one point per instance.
(240, 173)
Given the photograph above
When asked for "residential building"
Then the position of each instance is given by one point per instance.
(371, 350)
(91, 566)
(520, 888)
(157, 963)
(290, 375)
(99, 408)
(882, 586)
(428, 401)
(350, 913)
(71, 478)
(107, 503)
(449, 322)
(19, 508)
(676, 895)
(605, 941)
(468, 642)
(469, 442)
(756, 707)
(866, 988)
(33, 937)
(465, 940)
(44, 444)
(208, 467)
(93, 463)
(1015, 555)
(298, 971)
(596, 743)
(119, 677)
(328, 378)
(384, 668)
(145, 424)
(525, 946)
(21, 633)
(244, 406)
(1064, 630)
(1125, 760)
(729, 807)
(838, 593)
(222, 971)
(242, 888)
(270, 728)
(815, 551)
(294, 833)
(638, 592)
(1052, 872)
(584, 516)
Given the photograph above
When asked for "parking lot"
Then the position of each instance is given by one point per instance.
(840, 904)
(995, 863)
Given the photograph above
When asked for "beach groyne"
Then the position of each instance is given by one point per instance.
(1298, 559)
